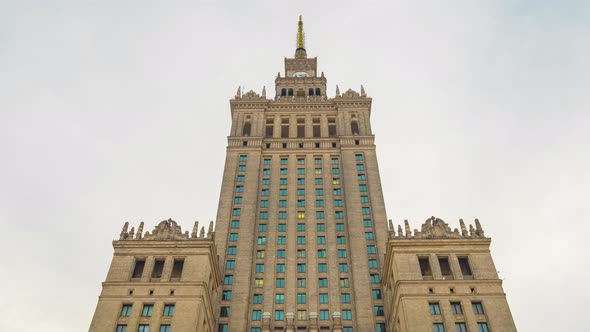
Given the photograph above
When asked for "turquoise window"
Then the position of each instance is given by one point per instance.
(371, 249)
(265, 182)
(280, 268)
(282, 203)
(301, 267)
(301, 240)
(300, 181)
(280, 298)
(283, 171)
(301, 171)
(281, 253)
(239, 189)
(320, 215)
(257, 299)
(346, 314)
(319, 192)
(338, 203)
(282, 215)
(363, 188)
(235, 224)
(301, 298)
(262, 227)
(369, 236)
(261, 240)
(266, 162)
(319, 181)
(321, 227)
(322, 267)
(280, 283)
(340, 227)
(341, 253)
(339, 214)
(340, 240)
(281, 240)
(233, 237)
(360, 167)
(343, 267)
(240, 178)
(323, 282)
(282, 227)
(243, 157)
(283, 181)
(284, 161)
(266, 171)
(263, 215)
(321, 240)
(372, 263)
(256, 315)
(264, 204)
(230, 265)
(232, 250)
(324, 299)
(322, 253)
(259, 268)
(366, 211)
(364, 199)
(264, 192)
(367, 223)
(279, 315)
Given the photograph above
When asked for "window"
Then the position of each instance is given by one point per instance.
(282, 192)
(281, 268)
(372, 263)
(322, 267)
(477, 308)
(263, 215)
(301, 240)
(369, 236)
(260, 253)
(282, 214)
(319, 181)
(376, 294)
(425, 267)
(445, 268)
(319, 192)
(226, 295)
(349, 329)
(283, 171)
(257, 299)
(236, 212)
(284, 161)
(265, 182)
(264, 192)
(317, 171)
(340, 239)
(335, 170)
(321, 227)
(321, 240)
(283, 181)
(337, 192)
(322, 253)
(264, 204)
(324, 314)
(122, 328)
(456, 308)
(366, 210)
(482, 327)
(262, 227)
(126, 310)
(158, 269)
(301, 171)
(360, 167)
(361, 177)
(301, 298)
(240, 178)
(301, 315)
(363, 188)
(438, 327)
(300, 181)
(341, 253)
(281, 253)
(282, 227)
(343, 267)
(434, 308)
(259, 268)
(319, 202)
(222, 328)
(143, 328)
(228, 280)
(338, 202)
(323, 297)
(378, 310)
(346, 314)
(148, 310)
(301, 268)
(375, 279)
(300, 161)
(300, 215)
(345, 298)
(225, 312)
(301, 203)
(241, 168)
(320, 215)
(230, 265)
(243, 157)
(336, 181)
(238, 200)
(465, 268)
(239, 189)
(279, 315)
(301, 253)
(301, 282)
(235, 224)
(339, 215)
(259, 282)
(367, 223)
(460, 327)
(261, 240)
(256, 315)
(323, 282)
(280, 282)
(280, 298)
(371, 249)
(344, 283)
(266, 162)
(281, 240)
(138, 268)
(339, 227)
(300, 192)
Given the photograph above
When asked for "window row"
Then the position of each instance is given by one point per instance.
(284, 127)
(461, 327)
(147, 310)
(456, 308)
(445, 267)
(143, 328)
(158, 268)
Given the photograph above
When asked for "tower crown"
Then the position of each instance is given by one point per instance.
(300, 52)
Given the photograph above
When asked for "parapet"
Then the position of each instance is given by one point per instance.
(435, 228)
(166, 230)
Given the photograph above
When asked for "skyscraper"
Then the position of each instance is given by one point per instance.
(301, 224)
(302, 239)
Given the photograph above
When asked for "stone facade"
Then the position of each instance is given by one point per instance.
(166, 280)
(443, 280)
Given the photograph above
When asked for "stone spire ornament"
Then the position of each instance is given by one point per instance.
(195, 231)
(300, 52)
(337, 91)
(363, 93)
(139, 231)
(264, 91)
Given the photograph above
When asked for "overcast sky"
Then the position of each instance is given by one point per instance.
(114, 111)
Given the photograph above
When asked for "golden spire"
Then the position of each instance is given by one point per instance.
(300, 52)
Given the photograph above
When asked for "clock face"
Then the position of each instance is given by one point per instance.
(300, 74)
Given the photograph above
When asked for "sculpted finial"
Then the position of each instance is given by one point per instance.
(391, 225)
(478, 229)
(463, 228)
(210, 230)
(123, 235)
(408, 231)
(471, 230)
(139, 231)
(399, 231)
(202, 234)
(239, 93)
(363, 93)
(195, 231)
(131, 232)
(337, 91)
(264, 91)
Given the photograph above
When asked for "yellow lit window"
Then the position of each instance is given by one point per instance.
(259, 283)
(336, 181)
(300, 215)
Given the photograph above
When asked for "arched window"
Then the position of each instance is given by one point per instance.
(311, 91)
(290, 92)
(247, 128)
(318, 91)
(283, 92)
(354, 126)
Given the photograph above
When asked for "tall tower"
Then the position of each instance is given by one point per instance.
(301, 226)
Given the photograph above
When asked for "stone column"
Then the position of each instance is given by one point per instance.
(313, 321)
(290, 322)
(266, 322)
(337, 318)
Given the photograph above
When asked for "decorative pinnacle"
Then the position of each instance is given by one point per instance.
(300, 52)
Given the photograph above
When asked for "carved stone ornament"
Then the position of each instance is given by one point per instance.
(350, 93)
(166, 230)
(251, 95)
